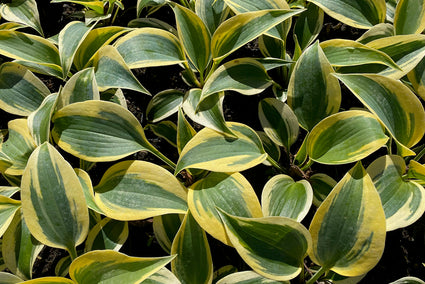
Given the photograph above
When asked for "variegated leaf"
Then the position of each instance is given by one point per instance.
(108, 234)
(24, 12)
(164, 104)
(39, 120)
(409, 17)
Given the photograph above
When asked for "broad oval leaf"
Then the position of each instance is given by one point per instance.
(395, 105)
(376, 32)
(403, 201)
(345, 137)
(242, 28)
(146, 47)
(348, 229)
(278, 121)
(409, 17)
(135, 190)
(248, 277)
(228, 191)
(53, 202)
(212, 13)
(21, 91)
(282, 196)
(244, 75)
(164, 104)
(108, 234)
(274, 247)
(322, 185)
(313, 93)
(193, 263)
(24, 12)
(39, 120)
(362, 14)
(8, 208)
(229, 154)
(108, 267)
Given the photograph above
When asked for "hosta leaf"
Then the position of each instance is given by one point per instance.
(341, 52)
(274, 247)
(39, 120)
(245, 75)
(112, 71)
(107, 234)
(21, 91)
(395, 105)
(8, 208)
(278, 121)
(270, 147)
(408, 280)
(80, 87)
(271, 47)
(280, 31)
(108, 267)
(88, 190)
(194, 36)
(11, 26)
(15, 45)
(229, 154)
(348, 229)
(322, 185)
(313, 93)
(165, 129)
(19, 248)
(115, 96)
(135, 190)
(93, 41)
(409, 17)
(101, 121)
(185, 131)
(62, 267)
(209, 113)
(212, 13)
(151, 23)
(8, 191)
(50, 280)
(308, 25)
(164, 104)
(362, 14)
(91, 4)
(243, 28)
(403, 201)
(165, 228)
(282, 196)
(391, 5)
(53, 203)
(148, 47)
(22, 11)
(14, 153)
(416, 170)
(193, 263)
(248, 277)
(46, 69)
(345, 137)
(229, 191)
(417, 78)
(162, 276)
(145, 3)
(70, 37)
(8, 278)
(376, 32)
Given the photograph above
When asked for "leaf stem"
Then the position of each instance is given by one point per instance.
(317, 275)
(154, 151)
(191, 74)
(276, 165)
(72, 252)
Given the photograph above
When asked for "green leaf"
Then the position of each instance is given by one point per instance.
(345, 137)
(209, 113)
(244, 75)
(395, 105)
(50, 280)
(376, 32)
(229, 154)
(193, 263)
(274, 247)
(417, 78)
(14, 153)
(164, 104)
(194, 36)
(101, 121)
(282, 196)
(270, 147)
(20, 249)
(162, 276)
(278, 121)
(91, 4)
(341, 52)
(53, 203)
(403, 201)
(9, 191)
(113, 72)
(148, 47)
(93, 41)
(45, 69)
(165, 228)
(106, 266)
(416, 170)
(22, 11)
(322, 185)
(88, 190)
(409, 17)
(151, 23)
(308, 25)
(8, 208)
(108, 234)
(8, 278)
(242, 28)
(248, 277)
(313, 93)
(362, 14)
(70, 37)
(136, 190)
(21, 91)
(165, 129)
(39, 120)
(145, 3)
(212, 13)
(229, 191)
(185, 131)
(348, 229)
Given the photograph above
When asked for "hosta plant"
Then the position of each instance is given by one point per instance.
(305, 190)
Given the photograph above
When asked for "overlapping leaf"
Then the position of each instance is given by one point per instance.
(24, 12)
(164, 104)
(409, 17)
(8, 209)
(308, 25)
(212, 13)
(107, 234)
(39, 120)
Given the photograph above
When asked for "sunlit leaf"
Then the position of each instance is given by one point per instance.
(107, 234)
(22, 11)
(39, 120)
(409, 17)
